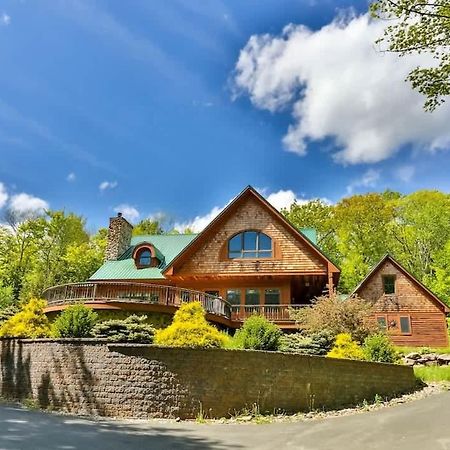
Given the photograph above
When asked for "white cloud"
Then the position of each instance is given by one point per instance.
(128, 211)
(280, 199)
(26, 205)
(104, 185)
(369, 179)
(199, 222)
(405, 173)
(337, 85)
(3, 195)
(71, 177)
(5, 20)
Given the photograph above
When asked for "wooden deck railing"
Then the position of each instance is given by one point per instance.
(274, 313)
(134, 293)
(129, 292)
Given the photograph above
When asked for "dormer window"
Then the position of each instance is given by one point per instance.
(145, 258)
(145, 255)
(250, 244)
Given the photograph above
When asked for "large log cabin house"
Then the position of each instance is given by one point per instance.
(248, 260)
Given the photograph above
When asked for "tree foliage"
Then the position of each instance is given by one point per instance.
(43, 251)
(420, 27)
(359, 230)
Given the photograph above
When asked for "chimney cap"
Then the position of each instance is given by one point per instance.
(119, 214)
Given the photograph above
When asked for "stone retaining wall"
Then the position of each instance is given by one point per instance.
(94, 377)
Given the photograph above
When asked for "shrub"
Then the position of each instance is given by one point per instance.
(132, 329)
(318, 344)
(7, 312)
(75, 321)
(378, 347)
(30, 322)
(190, 329)
(257, 333)
(345, 347)
(332, 314)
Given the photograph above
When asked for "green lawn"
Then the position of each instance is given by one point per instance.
(433, 373)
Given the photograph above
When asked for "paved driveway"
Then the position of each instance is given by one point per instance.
(423, 424)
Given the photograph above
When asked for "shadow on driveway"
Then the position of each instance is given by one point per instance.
(22, 429)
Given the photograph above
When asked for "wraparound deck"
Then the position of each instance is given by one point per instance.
(166, 299)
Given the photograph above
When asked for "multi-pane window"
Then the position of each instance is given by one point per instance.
(252, 296)
(234, 296)
(382, 323)
(145, 258)
(389, 284)
(272, 296)
(405, 325)
(250, 244)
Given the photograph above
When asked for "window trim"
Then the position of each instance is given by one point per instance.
(383, 279)
(256, 251)
(386, 322)
(408, 333)
(154, 260)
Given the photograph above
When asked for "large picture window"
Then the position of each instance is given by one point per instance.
(252, 297)
(250, 244)
(272, 296)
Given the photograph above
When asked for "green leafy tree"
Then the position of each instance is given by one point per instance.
(148, 226)
(420, 27)
(439, 279)
(318, 215)
(421, 230)
(76, 321)
(362, 223)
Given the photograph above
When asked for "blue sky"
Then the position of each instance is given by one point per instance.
(108, 105)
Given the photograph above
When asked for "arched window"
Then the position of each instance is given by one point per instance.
(250, 244)
(144, 258)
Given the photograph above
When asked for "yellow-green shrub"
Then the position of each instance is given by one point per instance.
(190, 329)
(345, 347)
(30, 322)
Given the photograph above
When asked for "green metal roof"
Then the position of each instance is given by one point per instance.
(310, 233)
(167, 248)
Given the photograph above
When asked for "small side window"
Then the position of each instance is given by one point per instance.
(389, 284)
(405, 325)
(382, 323)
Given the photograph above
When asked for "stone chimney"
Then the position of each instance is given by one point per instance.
(119, 237)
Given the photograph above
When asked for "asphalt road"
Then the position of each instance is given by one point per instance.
(423, 424)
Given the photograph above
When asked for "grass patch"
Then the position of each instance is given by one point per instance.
(433, 373)
(422, 350)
